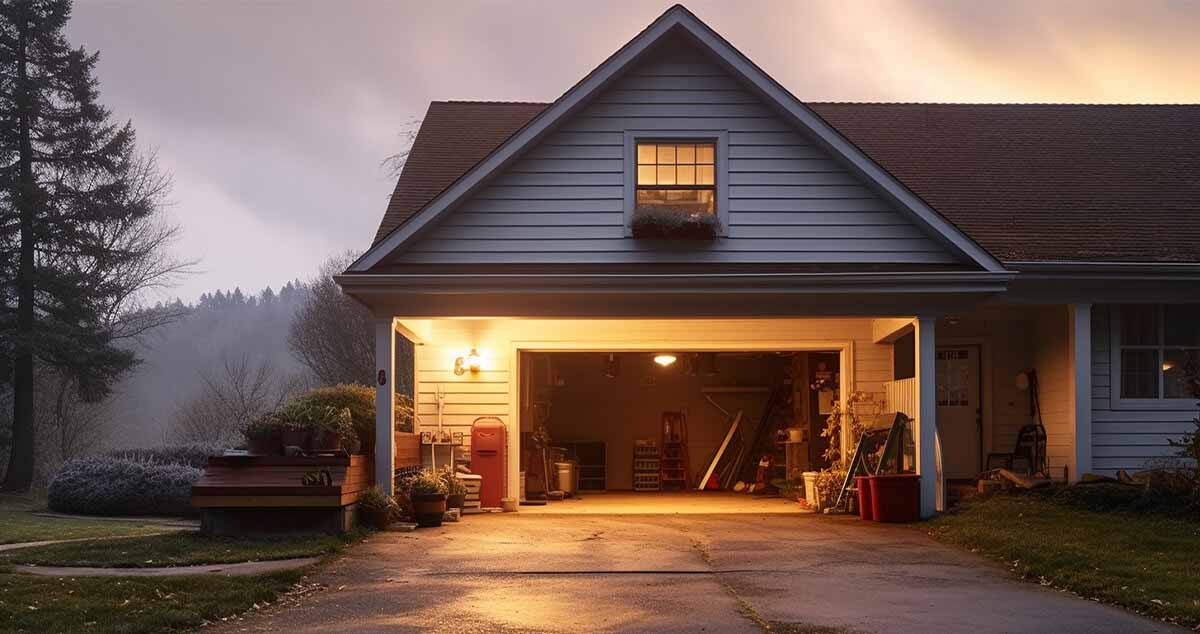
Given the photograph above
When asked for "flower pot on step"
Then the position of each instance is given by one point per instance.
(294, 437)
(428, 509)
(269, 444)
(324, 441)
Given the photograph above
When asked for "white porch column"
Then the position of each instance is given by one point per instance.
(1081, 387)
(385, 403)
(926, 414)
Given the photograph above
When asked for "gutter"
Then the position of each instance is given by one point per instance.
(678, 282)
(1108, 270)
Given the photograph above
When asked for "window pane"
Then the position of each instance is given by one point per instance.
(705, 153)
(1139, 325)
(666, 154)
(704, 174)
(646, 153)
(1177, 366)
(681, 200)
(1139, 373)
(686, 174)
(685, 154)
(646, 175)
(666, 173)
(1181, 324)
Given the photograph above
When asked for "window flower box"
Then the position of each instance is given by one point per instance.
(674, 223)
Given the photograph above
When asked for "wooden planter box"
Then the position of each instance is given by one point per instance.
(240, 494)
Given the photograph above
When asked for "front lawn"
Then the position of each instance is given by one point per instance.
(131, 605)
(175, 549)
(21, 525)
(1146, 563)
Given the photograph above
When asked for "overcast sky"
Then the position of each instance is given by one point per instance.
(273, 117)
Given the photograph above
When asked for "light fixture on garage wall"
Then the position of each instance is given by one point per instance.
(470, 362)
(664, 359)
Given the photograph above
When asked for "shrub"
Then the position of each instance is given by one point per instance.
(427, 482)
(358, 399)
(193, 454)
(315, 416)
(108, 485)
(454, 486)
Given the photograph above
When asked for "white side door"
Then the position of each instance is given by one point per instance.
(959, 410)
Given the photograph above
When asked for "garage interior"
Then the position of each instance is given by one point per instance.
(671, 431)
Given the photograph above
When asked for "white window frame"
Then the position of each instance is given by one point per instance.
(1114, 347)
(720, 138)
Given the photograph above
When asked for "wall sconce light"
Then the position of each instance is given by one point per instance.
(470, 362)
(664, 359)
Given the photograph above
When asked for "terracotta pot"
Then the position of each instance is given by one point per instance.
(324, 441)
(428, 509)
(456, 501)
(293, 437)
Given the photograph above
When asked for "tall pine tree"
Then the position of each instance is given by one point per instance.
(79, 230)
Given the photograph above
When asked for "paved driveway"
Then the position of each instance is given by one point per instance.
(656, 573)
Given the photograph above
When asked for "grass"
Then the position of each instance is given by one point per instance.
(1146, 563)
(131, 605)
(21, 525)
(176, 549)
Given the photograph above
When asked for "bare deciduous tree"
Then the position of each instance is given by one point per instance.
(332, 334)
(230, 396)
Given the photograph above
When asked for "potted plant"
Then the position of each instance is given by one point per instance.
(377, 508)
(293, 434)
(427, 494)
(331, 431)
(456, 490)
(264, 435)
(672, 222)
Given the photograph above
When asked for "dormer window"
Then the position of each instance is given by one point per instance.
(678, 177)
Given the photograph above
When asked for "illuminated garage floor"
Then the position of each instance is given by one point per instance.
(665, 503)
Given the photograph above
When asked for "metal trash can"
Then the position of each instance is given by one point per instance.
(567, 473)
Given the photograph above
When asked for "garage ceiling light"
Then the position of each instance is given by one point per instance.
(664, 359)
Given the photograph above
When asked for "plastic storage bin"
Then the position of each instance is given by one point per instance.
(865, 510)
(896, 497)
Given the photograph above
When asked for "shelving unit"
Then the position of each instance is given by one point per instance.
(673, 457)
(646, 466)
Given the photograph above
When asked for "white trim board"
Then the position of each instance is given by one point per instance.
(679, 18)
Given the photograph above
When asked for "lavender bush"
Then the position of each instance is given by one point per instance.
(193, 454)
(108, 485)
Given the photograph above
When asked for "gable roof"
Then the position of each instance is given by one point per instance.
(1039, 183)
(679, 20)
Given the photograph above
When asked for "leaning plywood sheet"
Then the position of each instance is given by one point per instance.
(737, 419)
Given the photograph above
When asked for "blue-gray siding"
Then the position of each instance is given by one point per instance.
(789, 202)
(1125, 438)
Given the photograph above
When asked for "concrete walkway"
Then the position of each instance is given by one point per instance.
(227, 570)
(686, 573)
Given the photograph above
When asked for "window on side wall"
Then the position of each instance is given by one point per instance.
(1158, 348)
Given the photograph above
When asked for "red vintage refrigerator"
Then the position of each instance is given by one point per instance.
(489, 458)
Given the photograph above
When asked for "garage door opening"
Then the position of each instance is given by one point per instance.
(672, 431)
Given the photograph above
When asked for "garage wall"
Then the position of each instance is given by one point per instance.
(492, 391)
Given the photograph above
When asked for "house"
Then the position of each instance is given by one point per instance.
(933, 258)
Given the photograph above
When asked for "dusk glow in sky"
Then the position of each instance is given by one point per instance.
(273, 117)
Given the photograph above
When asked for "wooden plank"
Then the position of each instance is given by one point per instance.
(776, 152)
(559, 178)
(677, 96)
(535, 219)
(551, 193)
(832, 209)
(542, 206)
(675, 110)
(267, 501)
(792, 178)
(799, 191)
(576, 152)
(568, 165)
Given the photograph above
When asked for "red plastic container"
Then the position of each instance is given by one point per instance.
(896, 497)
(865, 510)
(489, 458)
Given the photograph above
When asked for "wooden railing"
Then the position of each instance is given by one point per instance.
(406, 450)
